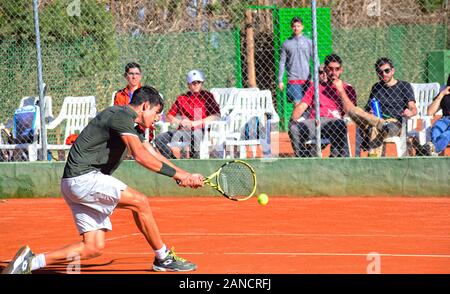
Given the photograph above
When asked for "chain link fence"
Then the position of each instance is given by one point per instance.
(86, 45)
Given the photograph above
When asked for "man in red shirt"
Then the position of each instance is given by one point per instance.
(189, 112)
(331, 112)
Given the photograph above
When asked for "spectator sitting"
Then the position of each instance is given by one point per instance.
(396, 100)
(189, 112)
(331, 88)
(440, 132)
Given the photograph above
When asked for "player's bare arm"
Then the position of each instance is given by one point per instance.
(411, 110)
(161, 158)
(148, 160)
(347, 103)
(434, 107)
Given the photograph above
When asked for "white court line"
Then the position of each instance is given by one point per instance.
(340, 254)
(309, 235)
(295, 254)
(290, 235)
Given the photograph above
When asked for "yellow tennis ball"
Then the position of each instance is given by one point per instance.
(263, 199)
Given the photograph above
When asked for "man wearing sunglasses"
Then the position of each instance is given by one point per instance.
(189, 113)
(396, 99)
(331, 112)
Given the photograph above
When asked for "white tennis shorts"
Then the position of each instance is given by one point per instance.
(92, 197)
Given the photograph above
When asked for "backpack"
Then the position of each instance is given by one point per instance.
(253, 129)
(24, 128)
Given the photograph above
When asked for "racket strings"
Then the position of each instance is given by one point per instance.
(236, 180)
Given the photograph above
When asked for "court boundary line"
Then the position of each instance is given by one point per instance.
(287, 235)
(296, 254)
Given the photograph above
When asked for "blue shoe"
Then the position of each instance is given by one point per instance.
(173, 263)
(21, 263)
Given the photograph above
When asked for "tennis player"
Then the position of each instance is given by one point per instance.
(93, 194)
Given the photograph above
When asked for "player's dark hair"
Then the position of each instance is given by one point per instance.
(146, 93)
(132, 65)
(332, 58)
(448, 81)
(382, 61)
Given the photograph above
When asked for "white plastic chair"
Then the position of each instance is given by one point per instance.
(234, 130)
(76, 112)
(225, 97)
(240, 104)
(112, 98)
(423, 94)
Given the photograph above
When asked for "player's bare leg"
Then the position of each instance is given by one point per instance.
(165, 260)
(91, 246)
(143, 216)
(25, 261)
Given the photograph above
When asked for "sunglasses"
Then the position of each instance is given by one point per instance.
(337, 68)
(196, 82)
(384, 71)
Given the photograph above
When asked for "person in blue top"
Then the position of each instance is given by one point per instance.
(440, 132)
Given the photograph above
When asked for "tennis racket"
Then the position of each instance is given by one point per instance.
(235, 180)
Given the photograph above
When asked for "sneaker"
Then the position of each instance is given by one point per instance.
(173, 263)
(21, 263)
(389, 129)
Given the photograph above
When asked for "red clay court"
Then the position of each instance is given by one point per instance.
(289, 235)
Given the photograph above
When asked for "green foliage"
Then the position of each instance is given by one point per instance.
(16, 20)
(431, 5)
(79, 51)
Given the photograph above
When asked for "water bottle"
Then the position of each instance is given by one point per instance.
(375, 105)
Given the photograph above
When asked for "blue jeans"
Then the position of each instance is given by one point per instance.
(440, 133)
(295, 92)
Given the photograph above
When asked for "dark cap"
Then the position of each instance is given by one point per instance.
(296, 19)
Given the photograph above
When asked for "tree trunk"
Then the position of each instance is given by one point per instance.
(250, 49)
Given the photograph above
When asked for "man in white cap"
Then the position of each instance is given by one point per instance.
(189, 112)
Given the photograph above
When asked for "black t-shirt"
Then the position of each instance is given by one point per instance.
(99, 146)
(393, 100)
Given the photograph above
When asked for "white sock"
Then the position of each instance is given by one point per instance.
(162, 253)
(38, 262)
